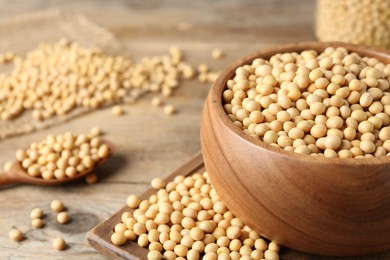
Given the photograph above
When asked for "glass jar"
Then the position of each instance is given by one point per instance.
(354, 21)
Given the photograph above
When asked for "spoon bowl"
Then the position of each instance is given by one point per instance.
(18, 174)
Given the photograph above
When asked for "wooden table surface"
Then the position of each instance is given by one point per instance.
(149, 144)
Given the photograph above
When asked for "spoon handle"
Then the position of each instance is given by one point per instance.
(7, 178)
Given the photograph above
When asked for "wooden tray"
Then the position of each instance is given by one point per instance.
(100, 236)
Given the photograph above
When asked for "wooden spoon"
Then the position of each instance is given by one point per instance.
(18, 174)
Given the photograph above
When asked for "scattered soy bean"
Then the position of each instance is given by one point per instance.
(37, 223)
(169, 110)
(95, 131)
(63, 218)
(133, 201)
(158, 183)
(8, 165)
(16, 235)
(118, 110)
(57, 205)
(156, 101)
(203, 68)
(36, 213)
(217, 54)
(91, 178)
(59, 244)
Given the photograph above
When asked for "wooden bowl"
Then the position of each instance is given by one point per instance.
(338, 207)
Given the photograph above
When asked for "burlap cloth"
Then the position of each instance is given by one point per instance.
(23, 33)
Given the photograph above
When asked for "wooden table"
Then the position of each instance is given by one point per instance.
(149, 144)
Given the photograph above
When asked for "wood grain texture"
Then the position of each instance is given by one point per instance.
(148, 143)
(312, 204)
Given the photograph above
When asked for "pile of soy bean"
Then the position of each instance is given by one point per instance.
(56, 78)
(187, 220)
(333, 104)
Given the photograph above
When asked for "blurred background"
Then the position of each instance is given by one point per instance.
(248, 23)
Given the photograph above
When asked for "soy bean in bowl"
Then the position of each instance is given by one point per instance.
(296, 137)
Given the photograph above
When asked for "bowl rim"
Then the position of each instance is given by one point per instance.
(228, 73)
